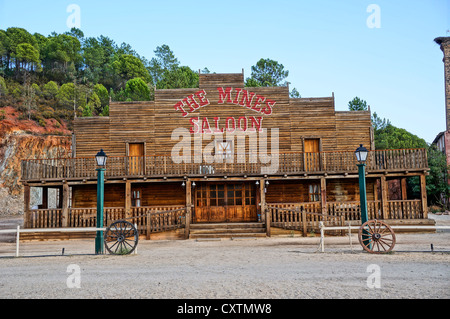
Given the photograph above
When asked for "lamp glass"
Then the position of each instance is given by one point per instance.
(361, 154)
(101, 158)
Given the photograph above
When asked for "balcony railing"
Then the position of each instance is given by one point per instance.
(239, 165)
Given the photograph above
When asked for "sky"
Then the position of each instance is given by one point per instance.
(381, 51)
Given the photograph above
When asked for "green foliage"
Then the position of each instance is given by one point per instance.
(164, 61)
(137, 90)
(357, 104)
(128, 67)
(50, 90)
(179, 77)
(103, 95)
(66, 95)
(294, 93)
(3, 87)
(267, 72)
(391, 137)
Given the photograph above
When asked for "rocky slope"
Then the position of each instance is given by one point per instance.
(25, 139)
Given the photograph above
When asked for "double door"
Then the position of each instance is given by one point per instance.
(225, 202)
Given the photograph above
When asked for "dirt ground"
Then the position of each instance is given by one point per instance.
(264, 268)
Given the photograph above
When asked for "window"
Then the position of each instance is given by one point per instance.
(136, 198)
(314, 192)
(224, 149)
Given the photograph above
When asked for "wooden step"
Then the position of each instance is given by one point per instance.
(227, 230)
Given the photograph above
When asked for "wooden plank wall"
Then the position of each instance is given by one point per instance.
(152, 122)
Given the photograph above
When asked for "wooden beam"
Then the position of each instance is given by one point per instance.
(26, 205)
(423, 193)
(264, 209)
(65, 205)
(384, 197)
(188, 209)
(127, 199)
(404, 188)
(323, 195)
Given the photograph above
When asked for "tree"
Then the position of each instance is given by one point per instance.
(103, 95)
(357, 104)
(180, 77)
(391, 137)
(137, 90)
(50, 90)
(128, 67)
(294, 93)
(164, 61)
(268, 72)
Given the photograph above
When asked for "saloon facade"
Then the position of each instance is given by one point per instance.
(225, 160)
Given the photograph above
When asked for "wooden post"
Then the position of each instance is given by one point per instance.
(423, 193)
(65, 205)
(127, 199)
(304, 229)
(323, 195)
(44, 198)
(264, 210)
(26, 205)
(384, 197)
(404, 188)
(188, 209)
(149, 225)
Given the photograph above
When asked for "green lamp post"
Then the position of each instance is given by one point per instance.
(101, 162)
(361, 156)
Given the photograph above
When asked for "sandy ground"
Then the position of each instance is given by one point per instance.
(286, 268)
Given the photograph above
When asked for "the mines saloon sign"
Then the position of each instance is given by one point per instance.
(261, 105)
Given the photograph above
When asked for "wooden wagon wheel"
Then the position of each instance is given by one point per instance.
(121, 238)
(376, 237)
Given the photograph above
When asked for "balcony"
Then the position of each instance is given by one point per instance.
(343, 162)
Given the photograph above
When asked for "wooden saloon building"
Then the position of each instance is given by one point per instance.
(225, 160)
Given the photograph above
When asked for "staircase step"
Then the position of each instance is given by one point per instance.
(227, 230)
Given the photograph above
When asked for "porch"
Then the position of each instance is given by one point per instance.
(284, 164)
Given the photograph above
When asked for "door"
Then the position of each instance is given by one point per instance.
(225, 202)
(136, 159)
(312, 155)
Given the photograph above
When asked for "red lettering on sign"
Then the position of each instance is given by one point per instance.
(191, 102)
(269, 106)
(258, 101)
(205, 126)
(247, 98)
(179, 107)
(195, 128)
(216, 122)
(256, 124)
(240, 126)
(224, 95)
(227, 126)
(202, 98)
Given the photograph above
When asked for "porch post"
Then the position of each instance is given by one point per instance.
(127, 199)
(384, 197)
(323, 195)
(65, 205)
(188, 209)
(265, 211)
(423, 193)
(26, 206)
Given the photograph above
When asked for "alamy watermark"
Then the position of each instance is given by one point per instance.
(74, 279)
(374, 279)
(374, 19)
(74, 19)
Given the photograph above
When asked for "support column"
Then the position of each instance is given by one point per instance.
(44, 198)
(384, 197)
(65, 205)
(187, 228)
(323, 195)
(423, 193)
(404, 188)
(264, 211)
(127, 199)
(26, 206)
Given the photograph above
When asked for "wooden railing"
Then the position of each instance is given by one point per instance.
(150, 219)
(284, 163)
(304, 217)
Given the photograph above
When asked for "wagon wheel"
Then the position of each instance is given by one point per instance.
(121, 238)
(376, 237)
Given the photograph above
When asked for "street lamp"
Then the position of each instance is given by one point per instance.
(101, 163)
(361, 156)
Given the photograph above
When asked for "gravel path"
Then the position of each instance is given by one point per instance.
(283, 268)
